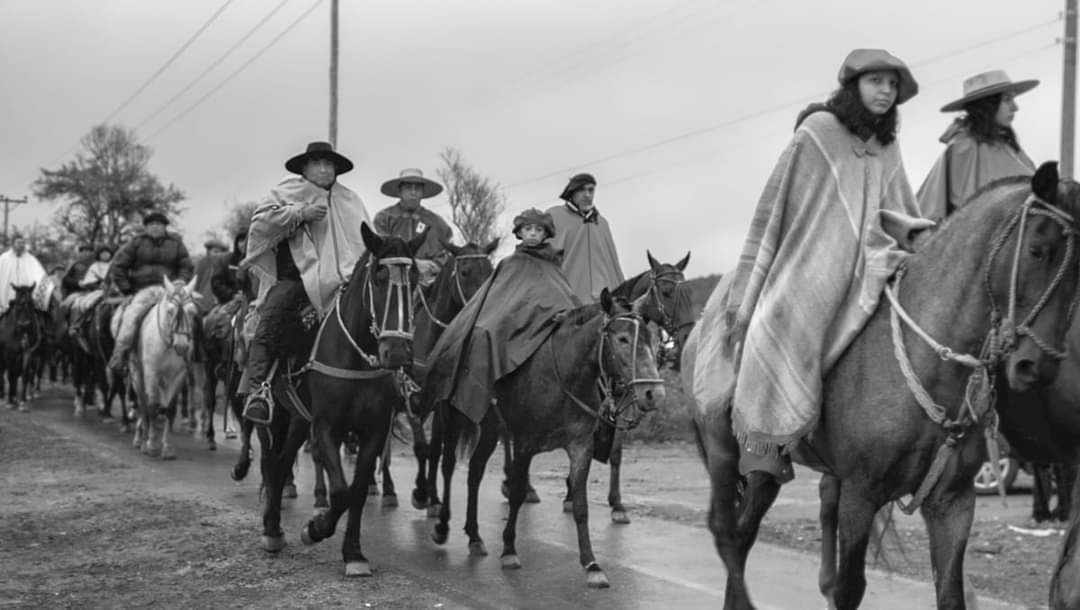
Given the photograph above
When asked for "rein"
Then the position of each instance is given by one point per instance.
(627, 421)
(457, 284)
(999, 342)
(674, 278)
(180, 325)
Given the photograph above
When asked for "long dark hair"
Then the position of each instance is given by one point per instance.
(846, 104)
(980, 121)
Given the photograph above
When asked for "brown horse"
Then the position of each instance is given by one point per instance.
(1013, 245)
(550, 402)
(352, 383)
(22, 338)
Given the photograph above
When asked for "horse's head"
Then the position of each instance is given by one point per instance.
(24, 314)
(627, 359)
(391, 274)
(1032, 279)
(176, 316)
(470, 268)
(668, 302)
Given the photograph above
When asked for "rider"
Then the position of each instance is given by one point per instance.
(590, 261)
(145, 261)
(75, 272)
(98, 271)
(408, 218)
(229, 281)
(17, 268)
(304, 242)
(204, 271)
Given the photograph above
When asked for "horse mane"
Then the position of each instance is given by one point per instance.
(626, 289)
(582, 315)
(973, 205)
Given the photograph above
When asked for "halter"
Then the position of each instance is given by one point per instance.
(34, 324)
(400, 287)
(673, 277)
(180, 326)
(1000, 340)
(457, 284)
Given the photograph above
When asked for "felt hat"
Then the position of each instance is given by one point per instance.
(215, 243)
(533, 216)
(150, 217)
(319, 150)
(861, 61)
(987, 84)
(576, 183)
(392, 187)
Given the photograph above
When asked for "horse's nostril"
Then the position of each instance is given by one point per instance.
(1026, 369)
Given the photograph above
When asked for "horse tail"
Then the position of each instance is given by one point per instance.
(884, 526)
(468, 437)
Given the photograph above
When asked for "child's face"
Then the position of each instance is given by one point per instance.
(532, 235)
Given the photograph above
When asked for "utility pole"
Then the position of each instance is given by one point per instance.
(7, 201)
(1068, 92)
(333, 71)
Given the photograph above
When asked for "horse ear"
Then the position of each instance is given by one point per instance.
(372, 241)
(607, 302)
(455, 250)
(639, 304)
(1045, 181)
(681, 265)
(418, 241)
(165, 280)
(191, 285)
(488, 249)
(652, 261)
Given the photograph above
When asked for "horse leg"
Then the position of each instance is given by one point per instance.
(580, 461)
(855, 518)
(948, 523)
(435, 446)
(321, 503)
(327, 446)
(389, 499)
(168, 452)
(289, 490)
(275, 465)
(618, 511)
(210, 402)
(369, 445)
(829, 495)
(516, 472)
(421, 450)
(451, 431)
(489, 438)
(1065, 583)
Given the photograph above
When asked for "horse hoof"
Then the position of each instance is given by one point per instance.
(289, 491)
(273, 544)
(239, 471)
(168, 453)
(433, 511)
(511, 562)
(567, 506)
(357, 569)
(389, 501)
(305, 535)
(439, 538)
(531, 497)
(477, 549)
(620, 517)
(373, 490)
(23, 408)
(230, 434)
(596, 579)
(125, 428)
(417, 503)
(211, 446)
(321, 510)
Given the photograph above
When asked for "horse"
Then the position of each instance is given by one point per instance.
(159, 365)
(352, 382)
(22, 335)
(550, 402)
(434, 307)
(92, 343)
(881, 433)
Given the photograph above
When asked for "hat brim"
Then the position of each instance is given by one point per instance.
(342, 165)
(159, 218)
(1016, 88)
(392, 188)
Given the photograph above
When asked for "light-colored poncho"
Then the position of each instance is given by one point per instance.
(590, 262)
(18, 270)
(819, 252)
(964, 167)
(325, 251)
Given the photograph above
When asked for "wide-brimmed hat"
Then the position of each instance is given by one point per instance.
(319, 150)
(215, 243)
(533, 216)
(100, 249)
(576, 183)
(392, 188)
(861, 61)
(155, 217)
(987, 84)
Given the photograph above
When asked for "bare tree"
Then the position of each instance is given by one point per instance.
(238, 217)
(475, 201)
(107, 187)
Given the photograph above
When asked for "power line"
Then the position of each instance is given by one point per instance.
(213, 65)
(761, 112)
(236, 72)
(169, 62)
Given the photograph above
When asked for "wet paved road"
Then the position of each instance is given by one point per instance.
(651, 563)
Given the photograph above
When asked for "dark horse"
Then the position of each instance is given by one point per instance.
(550, 402)
(92, 345)
(1009, 259)
(22, 335)
(434, 307)
(352, 384)
(1043, 425)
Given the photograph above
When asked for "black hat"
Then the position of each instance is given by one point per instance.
(155, 217)
(85, 248)
(576, 183)
(319, 150)
(100, 249)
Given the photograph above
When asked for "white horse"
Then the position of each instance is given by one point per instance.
(159, 364)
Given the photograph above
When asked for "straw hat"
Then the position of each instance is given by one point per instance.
(987, 84)
(392, 187)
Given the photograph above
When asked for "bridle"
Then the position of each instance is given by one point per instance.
(26, 323)
(460, 290)
(673, 277)
(180, 325)
(1000, 341)
(399, 290)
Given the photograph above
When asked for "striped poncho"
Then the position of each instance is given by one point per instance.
(820, 249)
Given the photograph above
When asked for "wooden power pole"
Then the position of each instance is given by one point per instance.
(7, 201)
(1068, 92)
(333, 71)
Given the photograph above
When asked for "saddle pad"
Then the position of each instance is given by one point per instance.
(43, 293)
(85, 301)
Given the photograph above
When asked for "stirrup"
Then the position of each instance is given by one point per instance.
(263, 394)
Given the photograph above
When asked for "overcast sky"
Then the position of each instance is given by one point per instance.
(679, 107)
